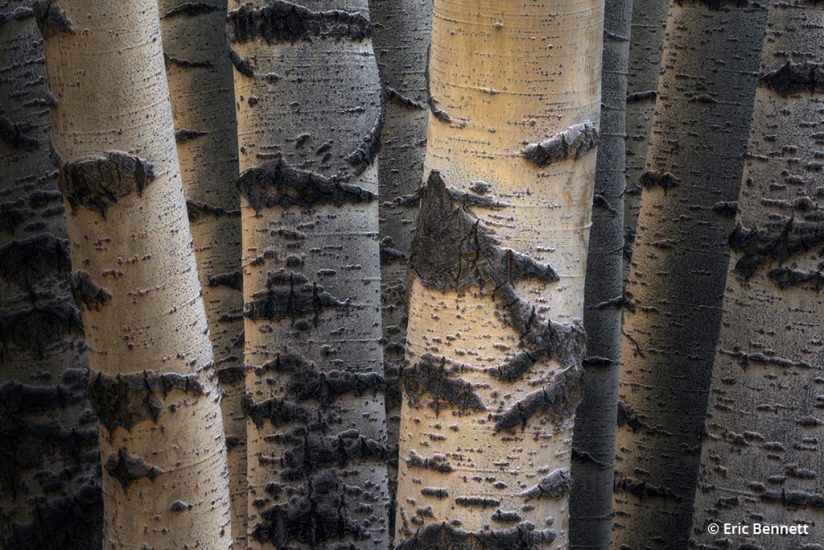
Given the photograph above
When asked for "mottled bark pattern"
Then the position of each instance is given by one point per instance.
(761, 455)
(50, 495)
(494, 345)
(401, 34)
(310, 114)
(202, 95)
(705, 96)
(649, 18)
(594, 434)
(152, 379)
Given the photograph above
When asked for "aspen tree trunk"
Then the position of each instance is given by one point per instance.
(201, 88)
(761, 457)
(495, 343)
(594, 434)
(152, 380)
(401, 38)
(702, 114)
(49, 478)
(649, 19)
(310, 111)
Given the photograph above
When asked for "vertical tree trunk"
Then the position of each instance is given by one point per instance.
(201, 88)
(761, 457)
(152, 384)
(649, 19)
(705, 99)
(310, 113)
(49, 480)
(495, 344)
(401, 37)
(594, 434)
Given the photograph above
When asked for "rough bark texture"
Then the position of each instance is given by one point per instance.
(495, 344)
(310, 113)
(201, 88)
(761, 455)
(49, 466)
(152, 381)
(402, 32)
(705, 97)
(649, 19)
(594, 435)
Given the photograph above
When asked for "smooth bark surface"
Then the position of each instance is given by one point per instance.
(705, 97)
(201, 89)
(152, 380)
(402, 32)
(49, 466)
(593, 440)
(761, 456)
(495, 342)
(310, 112)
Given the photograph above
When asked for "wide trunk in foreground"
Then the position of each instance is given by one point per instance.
(495, 342)
(152, 381)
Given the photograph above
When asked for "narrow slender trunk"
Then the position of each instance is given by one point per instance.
(310, 111)
(152, 380)
(495, 344)
(649, 19)
(761, 457)
(201, 88)
(49, 464)
(705, 97)
(593, 440)
(402, 34)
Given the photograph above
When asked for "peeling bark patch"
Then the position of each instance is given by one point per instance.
(186, 63)
(642, 489)
(127, 468)
(281, 21)
(124, 400)
(88, 293)
(437, 112)
(315, 452)
(656, 179)
(728, 209)
(647, 95)
(477, 502)
(11, 134)
(436, 492)
(51, 18)
(430, 376)
(370, 146)
(437, 463)
(275, 183)
(394, 95)
(792, 78)
(443, 535)
(573, 142)
(232, 280)
(290, 296)
(27, 260)
(760, 358)
(311, 519)
(275, 411)
(554, 486)
(184, 135)
(785, 277)
(200, 210)
(777, 241)
(98, 183)
(190, 8)
(241, 65)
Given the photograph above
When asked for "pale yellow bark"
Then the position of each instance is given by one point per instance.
(503, 74)
(165, 478)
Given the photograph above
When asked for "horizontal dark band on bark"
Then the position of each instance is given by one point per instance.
(657, 179)
(785, 277)
(12, 135)
(25, 261)
(793, 77)
(437, 463)
(793, 498)
(560, 400)
(443, 535)
(291, 298)
(724, 4)
(127, 468)
(315, 452)
(573, 142)
(777, 241)
(98, 183)
(394, 95)
(187, 63)
(191, 8)
(647, 95)
(553, 486)
(232, 280)
(41, 325)
(183, 135)
(275, 183)
(762, 359)
(281, 21)
(643, 489)
(431, 377)
(199, 210)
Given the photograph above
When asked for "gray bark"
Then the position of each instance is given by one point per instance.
(49, 462)
(593, 440)
(761, 455)
(694, 165)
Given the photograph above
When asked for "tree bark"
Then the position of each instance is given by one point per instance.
(761, 456)
(594, 434)
(402, 34)
(201, 88)
(649, 20)
(495, 344)
(694, 165)
(49, 465)
(310, 111)
(152, 380)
